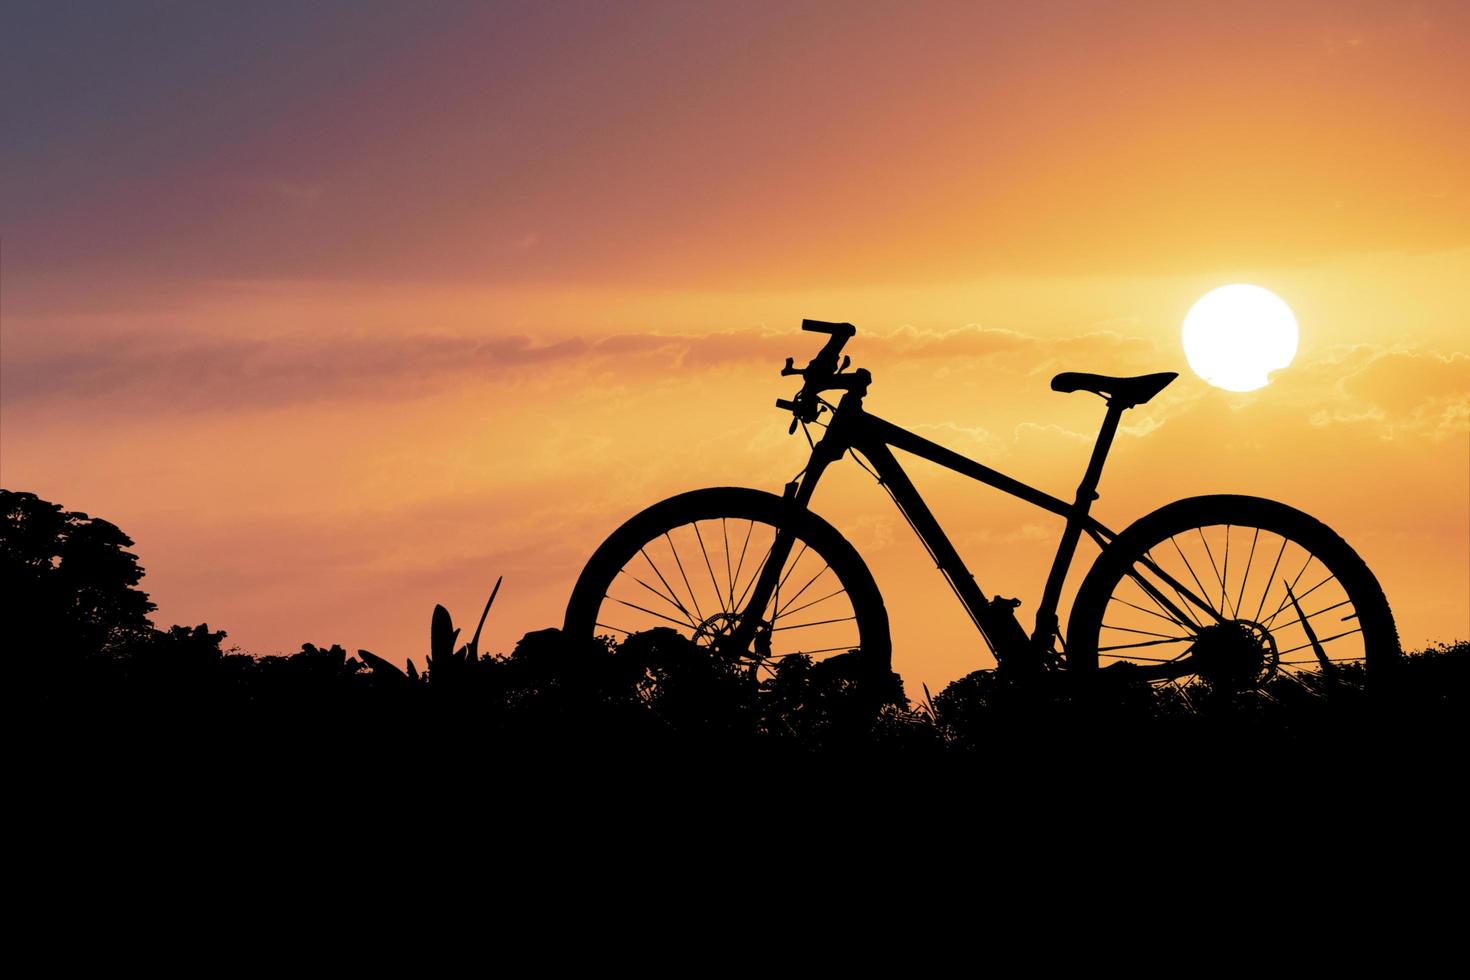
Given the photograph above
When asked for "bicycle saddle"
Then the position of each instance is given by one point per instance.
(1124, 392)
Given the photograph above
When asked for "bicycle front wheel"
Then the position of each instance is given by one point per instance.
(1240, 592)
(690, 563)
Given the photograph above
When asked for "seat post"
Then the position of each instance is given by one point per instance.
(1046, 613)
(1087, 489)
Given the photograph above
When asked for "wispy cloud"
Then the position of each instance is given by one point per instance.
(235, 374)
(1398, 390)
(200, 375)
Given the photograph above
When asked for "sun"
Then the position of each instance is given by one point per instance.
(1235, 336)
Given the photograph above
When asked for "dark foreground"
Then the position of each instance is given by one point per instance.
(94, 682)
(179, 693)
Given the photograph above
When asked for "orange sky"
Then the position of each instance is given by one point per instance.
(343, 312)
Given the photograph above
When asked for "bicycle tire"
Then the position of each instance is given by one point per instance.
(1268, 615)
(623, 562)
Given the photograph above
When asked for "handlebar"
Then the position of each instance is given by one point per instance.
(826, 360)
(847, 330)
(823, 372)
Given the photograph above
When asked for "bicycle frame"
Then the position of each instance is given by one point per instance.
(852, 428)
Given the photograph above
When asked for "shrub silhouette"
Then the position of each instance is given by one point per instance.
(92, 665)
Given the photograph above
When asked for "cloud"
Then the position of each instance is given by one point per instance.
(168, 371)
(974, 437)
(1027, 431)
(971, 340)
(230, 374)
(1398, 390)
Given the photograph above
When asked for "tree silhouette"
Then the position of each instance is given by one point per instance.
(69, 581)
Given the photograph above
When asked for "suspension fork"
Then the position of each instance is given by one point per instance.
(795, 498)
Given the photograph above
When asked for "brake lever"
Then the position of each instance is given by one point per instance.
(791, 368)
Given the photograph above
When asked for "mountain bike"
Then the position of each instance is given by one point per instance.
(1236, 591)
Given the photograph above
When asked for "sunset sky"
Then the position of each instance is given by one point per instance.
(344, 309)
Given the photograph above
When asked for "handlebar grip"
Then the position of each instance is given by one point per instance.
(822, 326)
(787, 405)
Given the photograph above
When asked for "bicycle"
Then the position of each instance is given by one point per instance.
(1160, 603)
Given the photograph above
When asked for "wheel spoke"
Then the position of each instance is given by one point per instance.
(1157, 596)
(729, 576)
(642, 609)
(850, 646)
(1151, 660)
(695, 601)
(759, 571)
(808, 605)
(1316, 645)
(1218, 576)
(1149, 612)
(781, 584)
(1289, 586)
(656, 592)
(1137, 578)
(1299, 597)
(719, 596)
(740, 605)
(1240, 596)
(1125, 629)
(1147, 643)
(1324, 642)
(782, 611)
(1203, 591)
(820, 622)
(1329, 578)
(1335, 605)
(1270, 576)
(1225, 574)
(739, 565)
(665, 581)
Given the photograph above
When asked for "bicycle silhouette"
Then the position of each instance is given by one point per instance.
(1216, 588)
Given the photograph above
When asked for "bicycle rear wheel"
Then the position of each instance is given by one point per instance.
(1240, 592)
(689, 564)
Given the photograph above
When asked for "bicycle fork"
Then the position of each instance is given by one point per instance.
(751, 632)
